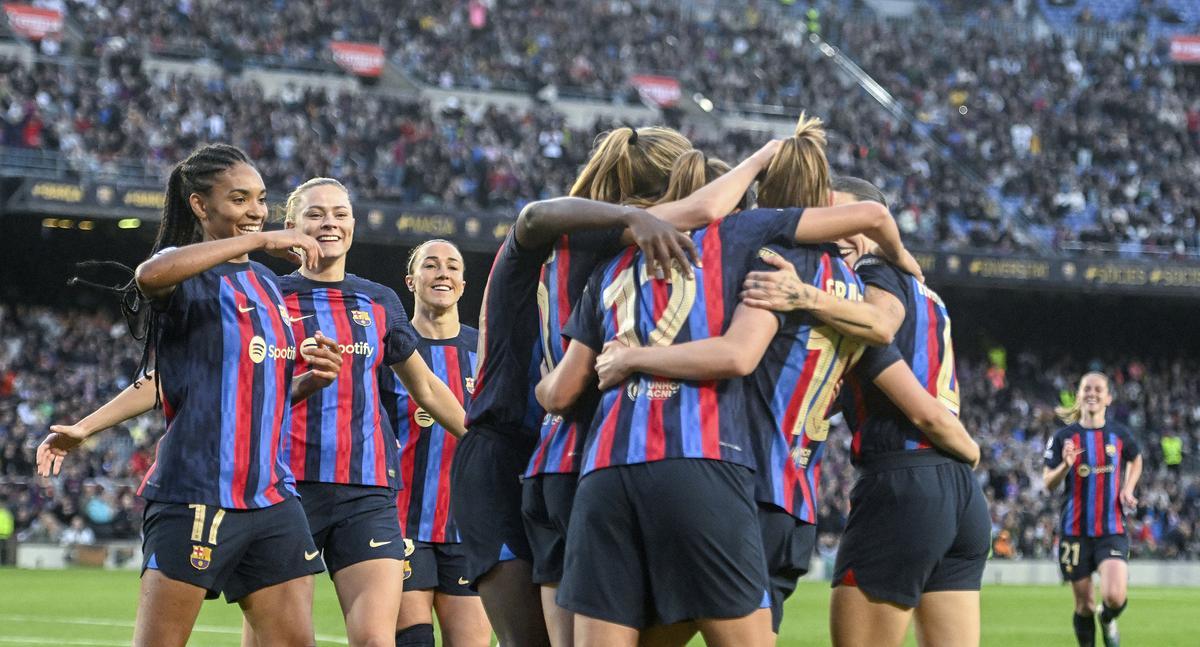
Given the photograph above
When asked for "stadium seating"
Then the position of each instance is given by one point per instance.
(56, 366)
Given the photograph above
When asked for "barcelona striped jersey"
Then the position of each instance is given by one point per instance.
(794, 386)
(426, 448)
(649, 418)
(877, 425)
(225, 360)
(1092, 499)
(564, 276)
(341, 434)
(510, 354)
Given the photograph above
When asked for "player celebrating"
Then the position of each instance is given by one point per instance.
(436, 578)
(223, 514)
(342, 448)
(879, 581)
(1100, 463)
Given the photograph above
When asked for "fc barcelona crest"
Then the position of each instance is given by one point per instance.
(470, 384)
(201, 557)
(361, 317)
(283, 312)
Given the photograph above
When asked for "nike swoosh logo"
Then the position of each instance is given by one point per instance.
(241, 309)
(1115, 553)
(311, 556)
(462, 581)
(295, 319)
(377, 544)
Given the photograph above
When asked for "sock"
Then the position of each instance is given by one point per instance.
(415, 636)
(1085, 630)
(1108, 614)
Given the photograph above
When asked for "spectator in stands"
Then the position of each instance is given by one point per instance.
(77, 534)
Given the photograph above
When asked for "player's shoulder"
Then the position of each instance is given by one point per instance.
(291, 283)
(1068, 431)
(1120, 429)
(468, 336)
(376, 292)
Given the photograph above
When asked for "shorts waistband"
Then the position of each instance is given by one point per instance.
(513, 442)
(903, 460)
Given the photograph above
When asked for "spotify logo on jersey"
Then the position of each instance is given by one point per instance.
(423, 418)
(259, 350)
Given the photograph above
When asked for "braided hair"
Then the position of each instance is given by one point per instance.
(178, 227)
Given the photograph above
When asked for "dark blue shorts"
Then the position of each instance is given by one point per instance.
(485, 495)
(918, 523)
(222, 550)
(352, 523)
(546, 506)
(664, 542)
(788, 545)
(1079, 557)
(440, 567)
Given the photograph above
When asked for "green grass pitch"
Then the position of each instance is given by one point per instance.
(86, 607)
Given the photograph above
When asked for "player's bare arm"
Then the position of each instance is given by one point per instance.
(133, 401)
(943, 428)
(432, 394)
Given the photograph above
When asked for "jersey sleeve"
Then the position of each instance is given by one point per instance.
(877, 272)
(586, 322)
(758, 227)
(401, 339)
(1053, 455)
(876, 359)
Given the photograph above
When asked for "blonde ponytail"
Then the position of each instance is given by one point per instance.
(798, 175)
(630, 166)
(691, 171)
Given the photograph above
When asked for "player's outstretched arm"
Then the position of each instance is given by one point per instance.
(826, 224)
(324, 364)
(560, 388)
(158, 275)
(133, 401)
(718, 198)
(1133, 472)
(734, 354)
(544, 221)
(943, 428)
(432, 394)
(782, 290)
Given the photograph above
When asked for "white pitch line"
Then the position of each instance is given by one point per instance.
(124, 624)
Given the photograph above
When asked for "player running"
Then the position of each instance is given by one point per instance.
(342, 448)
(222, 513)
(884, 568)
(1100, 463)
(436, 577)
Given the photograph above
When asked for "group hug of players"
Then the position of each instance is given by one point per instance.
(628, 450)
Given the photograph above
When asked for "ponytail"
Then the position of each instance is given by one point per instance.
(691, 172)
(630, 166)
(798, 175)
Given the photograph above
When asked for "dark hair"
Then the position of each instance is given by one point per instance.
(178, 227)
(859, 188)
(196, 174)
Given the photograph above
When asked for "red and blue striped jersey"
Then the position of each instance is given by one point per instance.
(510, 354)
(878, 426)
(564, 276)
(1092, 497)
(341, 434)
(794, 386)
(426, 448)
(225, 362)
(649, 418)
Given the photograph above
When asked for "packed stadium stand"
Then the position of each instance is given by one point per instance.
(1046, 128)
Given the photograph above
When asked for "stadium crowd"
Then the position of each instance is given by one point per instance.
(1096, 153)
(57, 366)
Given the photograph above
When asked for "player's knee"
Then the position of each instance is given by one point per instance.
(1114, 599)
(420, 635)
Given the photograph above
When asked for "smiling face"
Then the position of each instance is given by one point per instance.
(436, 275)
(324, 212)
(1093, 396)
(854, 247)
(235, 205)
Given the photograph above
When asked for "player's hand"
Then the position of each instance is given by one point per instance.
(324, 360)
(1070, 452)
(294, 246)
(763, 156)
(55, 447)
(613, 365)
(907, 263)
(1128, 500)
(662, 245)
(781, 290)
(978, 454)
